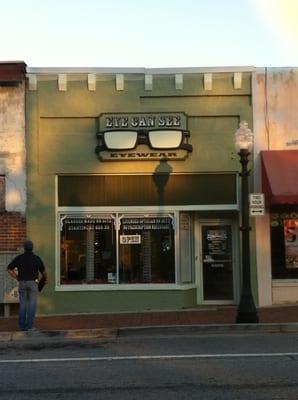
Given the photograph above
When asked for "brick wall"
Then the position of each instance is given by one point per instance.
(12, 231)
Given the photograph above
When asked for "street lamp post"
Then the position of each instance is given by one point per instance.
(247, 312)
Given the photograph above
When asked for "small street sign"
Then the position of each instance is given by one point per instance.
(256, 204)
(254, 212)
(256, 200)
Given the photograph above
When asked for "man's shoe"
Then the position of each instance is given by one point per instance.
(32, 330)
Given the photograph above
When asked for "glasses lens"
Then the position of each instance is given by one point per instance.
(120, 140)
(165, 139)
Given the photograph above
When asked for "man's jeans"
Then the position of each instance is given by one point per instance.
(28, 296)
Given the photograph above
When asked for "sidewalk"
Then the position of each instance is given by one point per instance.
(217, 319)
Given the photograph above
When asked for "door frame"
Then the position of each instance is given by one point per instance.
(199, 258)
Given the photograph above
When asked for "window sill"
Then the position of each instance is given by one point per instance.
(284, 282)
(124, 287)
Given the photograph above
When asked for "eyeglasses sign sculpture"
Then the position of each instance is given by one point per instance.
(143, 137)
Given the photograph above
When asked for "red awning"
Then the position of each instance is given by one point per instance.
(280, 176)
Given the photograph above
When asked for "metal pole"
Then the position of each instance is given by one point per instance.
(247, 312)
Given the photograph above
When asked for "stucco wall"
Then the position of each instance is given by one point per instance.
(275, 108)
(275, 94)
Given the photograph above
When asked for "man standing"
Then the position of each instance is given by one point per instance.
(28, 266)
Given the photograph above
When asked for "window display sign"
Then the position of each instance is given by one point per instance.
(130, 239)
(142, 224)
(217, 246)
(291, 242)
(87, 224)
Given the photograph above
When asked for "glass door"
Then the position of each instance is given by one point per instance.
(215, 266)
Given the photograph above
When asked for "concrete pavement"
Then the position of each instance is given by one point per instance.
(60, 330)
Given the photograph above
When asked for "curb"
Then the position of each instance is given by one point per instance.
(75, 334)
(208, 329)
(87, 337)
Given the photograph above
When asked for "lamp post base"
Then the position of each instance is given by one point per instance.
(247, 318)
(247, 312)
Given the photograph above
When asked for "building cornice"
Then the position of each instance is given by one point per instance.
(145, 71)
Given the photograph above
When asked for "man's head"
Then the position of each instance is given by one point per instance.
(28, 245)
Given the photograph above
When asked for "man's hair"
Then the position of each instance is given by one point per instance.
(28, 245)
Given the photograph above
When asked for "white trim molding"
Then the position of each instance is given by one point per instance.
(208, 81)
(150, 71)
(237, 80)
(123, 287)
(32, 81)
(62, 82)
(91, 82)
(119, 82)
(148, 82)
(178, 81)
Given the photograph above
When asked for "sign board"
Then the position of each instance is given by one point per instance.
(112, 277)
(256, 200)
(256, 204)
(255, 212)
(126, 137)
(144, 154)
(129, 225)
(129, 121)
(130, 239)
(217, 246)
(8, 286)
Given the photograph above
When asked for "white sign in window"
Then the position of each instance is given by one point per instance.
(130, 239)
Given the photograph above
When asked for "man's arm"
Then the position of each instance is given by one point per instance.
(12, 273)
(45, 276)
(12, 268)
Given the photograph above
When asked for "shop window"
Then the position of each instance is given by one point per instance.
(146, 250)
(88, 250)
(284, 244)
(117, 249)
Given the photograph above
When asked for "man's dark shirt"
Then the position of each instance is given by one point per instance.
(28, 265)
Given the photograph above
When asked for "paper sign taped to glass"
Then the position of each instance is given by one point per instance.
(12, 296)
(130, 239)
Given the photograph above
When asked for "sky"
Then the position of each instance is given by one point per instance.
(149, 34)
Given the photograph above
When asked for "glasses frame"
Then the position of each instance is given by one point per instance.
(143, 138)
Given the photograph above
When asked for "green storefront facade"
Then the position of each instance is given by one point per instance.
(132, 186)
